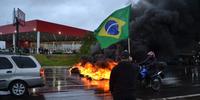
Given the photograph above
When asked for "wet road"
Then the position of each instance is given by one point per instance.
(182, 83)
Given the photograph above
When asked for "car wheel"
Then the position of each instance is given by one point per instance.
(18, 88)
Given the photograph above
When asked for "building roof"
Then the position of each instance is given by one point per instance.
(44, 27)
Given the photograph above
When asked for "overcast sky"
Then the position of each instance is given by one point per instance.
(85, 14)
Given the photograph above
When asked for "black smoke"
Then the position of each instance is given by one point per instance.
(167, 27)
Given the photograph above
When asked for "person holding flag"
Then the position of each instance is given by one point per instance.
(123, 77)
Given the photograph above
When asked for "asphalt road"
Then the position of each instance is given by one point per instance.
(181, 83)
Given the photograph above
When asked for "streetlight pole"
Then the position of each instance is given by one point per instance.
(38, 42)
(1, 36)
(14, 43)
(17, 34)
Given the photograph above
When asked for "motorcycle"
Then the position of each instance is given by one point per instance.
(152, 80)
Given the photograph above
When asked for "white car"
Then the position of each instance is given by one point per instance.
(19, 72)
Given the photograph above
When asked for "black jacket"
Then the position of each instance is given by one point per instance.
(123, 78)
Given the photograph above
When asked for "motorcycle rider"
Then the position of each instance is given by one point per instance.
(150, 60)
(149, 64)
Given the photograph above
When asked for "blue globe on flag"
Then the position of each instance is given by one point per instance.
(112, 27)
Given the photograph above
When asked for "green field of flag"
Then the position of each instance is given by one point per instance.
(114, 28)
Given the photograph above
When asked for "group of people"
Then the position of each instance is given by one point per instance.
(124, 76)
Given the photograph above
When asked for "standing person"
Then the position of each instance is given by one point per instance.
(123, 79)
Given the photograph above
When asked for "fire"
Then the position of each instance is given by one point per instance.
(96, 74)
(97, 71)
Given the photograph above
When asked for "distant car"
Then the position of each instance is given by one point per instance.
(18, 73)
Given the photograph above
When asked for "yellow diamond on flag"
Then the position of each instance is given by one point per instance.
(112, 28)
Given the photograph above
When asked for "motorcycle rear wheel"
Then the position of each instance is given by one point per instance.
(156, 83)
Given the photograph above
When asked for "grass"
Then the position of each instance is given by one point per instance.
(57, 60)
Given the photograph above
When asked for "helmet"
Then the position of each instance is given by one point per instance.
(151, 53)
(125, 54)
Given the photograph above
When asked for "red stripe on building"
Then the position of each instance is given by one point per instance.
(44, 27)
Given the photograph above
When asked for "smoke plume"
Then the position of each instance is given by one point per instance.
(167, 27)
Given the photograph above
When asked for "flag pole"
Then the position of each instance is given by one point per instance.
(129, 45)
(129, 41)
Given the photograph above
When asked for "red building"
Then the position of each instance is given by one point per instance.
(51, 35)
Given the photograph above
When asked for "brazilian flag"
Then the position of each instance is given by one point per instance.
(114, 28)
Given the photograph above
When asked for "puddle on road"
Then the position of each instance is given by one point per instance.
(102, 85)
(60, 80)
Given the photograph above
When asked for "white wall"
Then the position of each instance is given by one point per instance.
(2, 44)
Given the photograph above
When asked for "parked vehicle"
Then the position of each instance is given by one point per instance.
(18, 73)
(152, 80)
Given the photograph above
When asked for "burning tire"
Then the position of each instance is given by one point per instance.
(75, 70)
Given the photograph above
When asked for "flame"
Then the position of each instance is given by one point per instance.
(96, 75)
(97, 71)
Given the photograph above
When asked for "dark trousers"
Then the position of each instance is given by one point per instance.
(123, 96)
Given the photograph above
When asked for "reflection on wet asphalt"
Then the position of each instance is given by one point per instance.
(70, 86)
(5, 97)
(59, 79)
(61, 85)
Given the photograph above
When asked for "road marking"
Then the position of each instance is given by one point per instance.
(4, 93)
(177, 97)
(72, 85)
(75, 93)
